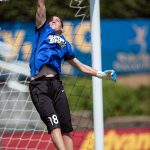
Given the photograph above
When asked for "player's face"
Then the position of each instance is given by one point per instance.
(56, 24)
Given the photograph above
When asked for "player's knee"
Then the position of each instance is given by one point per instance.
(66, 134)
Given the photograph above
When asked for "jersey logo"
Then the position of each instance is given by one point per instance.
(57, 39)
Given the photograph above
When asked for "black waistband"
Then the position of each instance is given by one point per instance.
(44, 78)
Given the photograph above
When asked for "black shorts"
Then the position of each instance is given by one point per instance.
(49, 98)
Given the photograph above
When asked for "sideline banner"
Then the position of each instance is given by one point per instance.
(125, 43)
(114, 139)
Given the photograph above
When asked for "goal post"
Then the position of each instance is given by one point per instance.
(97, 84)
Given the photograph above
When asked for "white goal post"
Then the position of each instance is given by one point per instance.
(97, 84)
(20, 125)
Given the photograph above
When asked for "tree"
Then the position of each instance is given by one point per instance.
(125, 8)
(24, 10)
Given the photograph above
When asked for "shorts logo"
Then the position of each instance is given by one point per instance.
(57, 39)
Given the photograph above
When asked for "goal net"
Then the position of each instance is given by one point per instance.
(20, 124)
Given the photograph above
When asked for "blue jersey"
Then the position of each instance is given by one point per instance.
(50, 49)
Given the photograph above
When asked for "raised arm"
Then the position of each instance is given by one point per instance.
(40, 13)
(109, 74)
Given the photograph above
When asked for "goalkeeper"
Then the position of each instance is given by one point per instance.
(49, 48)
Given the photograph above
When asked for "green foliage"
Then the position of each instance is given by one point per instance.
(17, 10)
(121, 100)
(24, 10)
(125, 8)
(118, 100)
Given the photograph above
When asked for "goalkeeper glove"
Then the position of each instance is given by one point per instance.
(108, 74)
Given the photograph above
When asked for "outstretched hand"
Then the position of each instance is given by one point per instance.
(110, 74)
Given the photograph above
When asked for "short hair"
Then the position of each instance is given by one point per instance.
(51, 18)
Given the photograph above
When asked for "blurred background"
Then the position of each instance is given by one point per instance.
(125, 35)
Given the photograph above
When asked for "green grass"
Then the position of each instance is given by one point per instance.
(118, 100)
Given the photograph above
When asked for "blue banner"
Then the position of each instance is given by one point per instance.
(125, 44)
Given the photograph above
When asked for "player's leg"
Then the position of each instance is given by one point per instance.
(44, 105)
(57, 139)
(67, 141)
(62, 109)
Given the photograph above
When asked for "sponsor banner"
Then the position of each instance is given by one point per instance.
(121, 139)
(125, 43)
(115, 139)
(126, 46)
